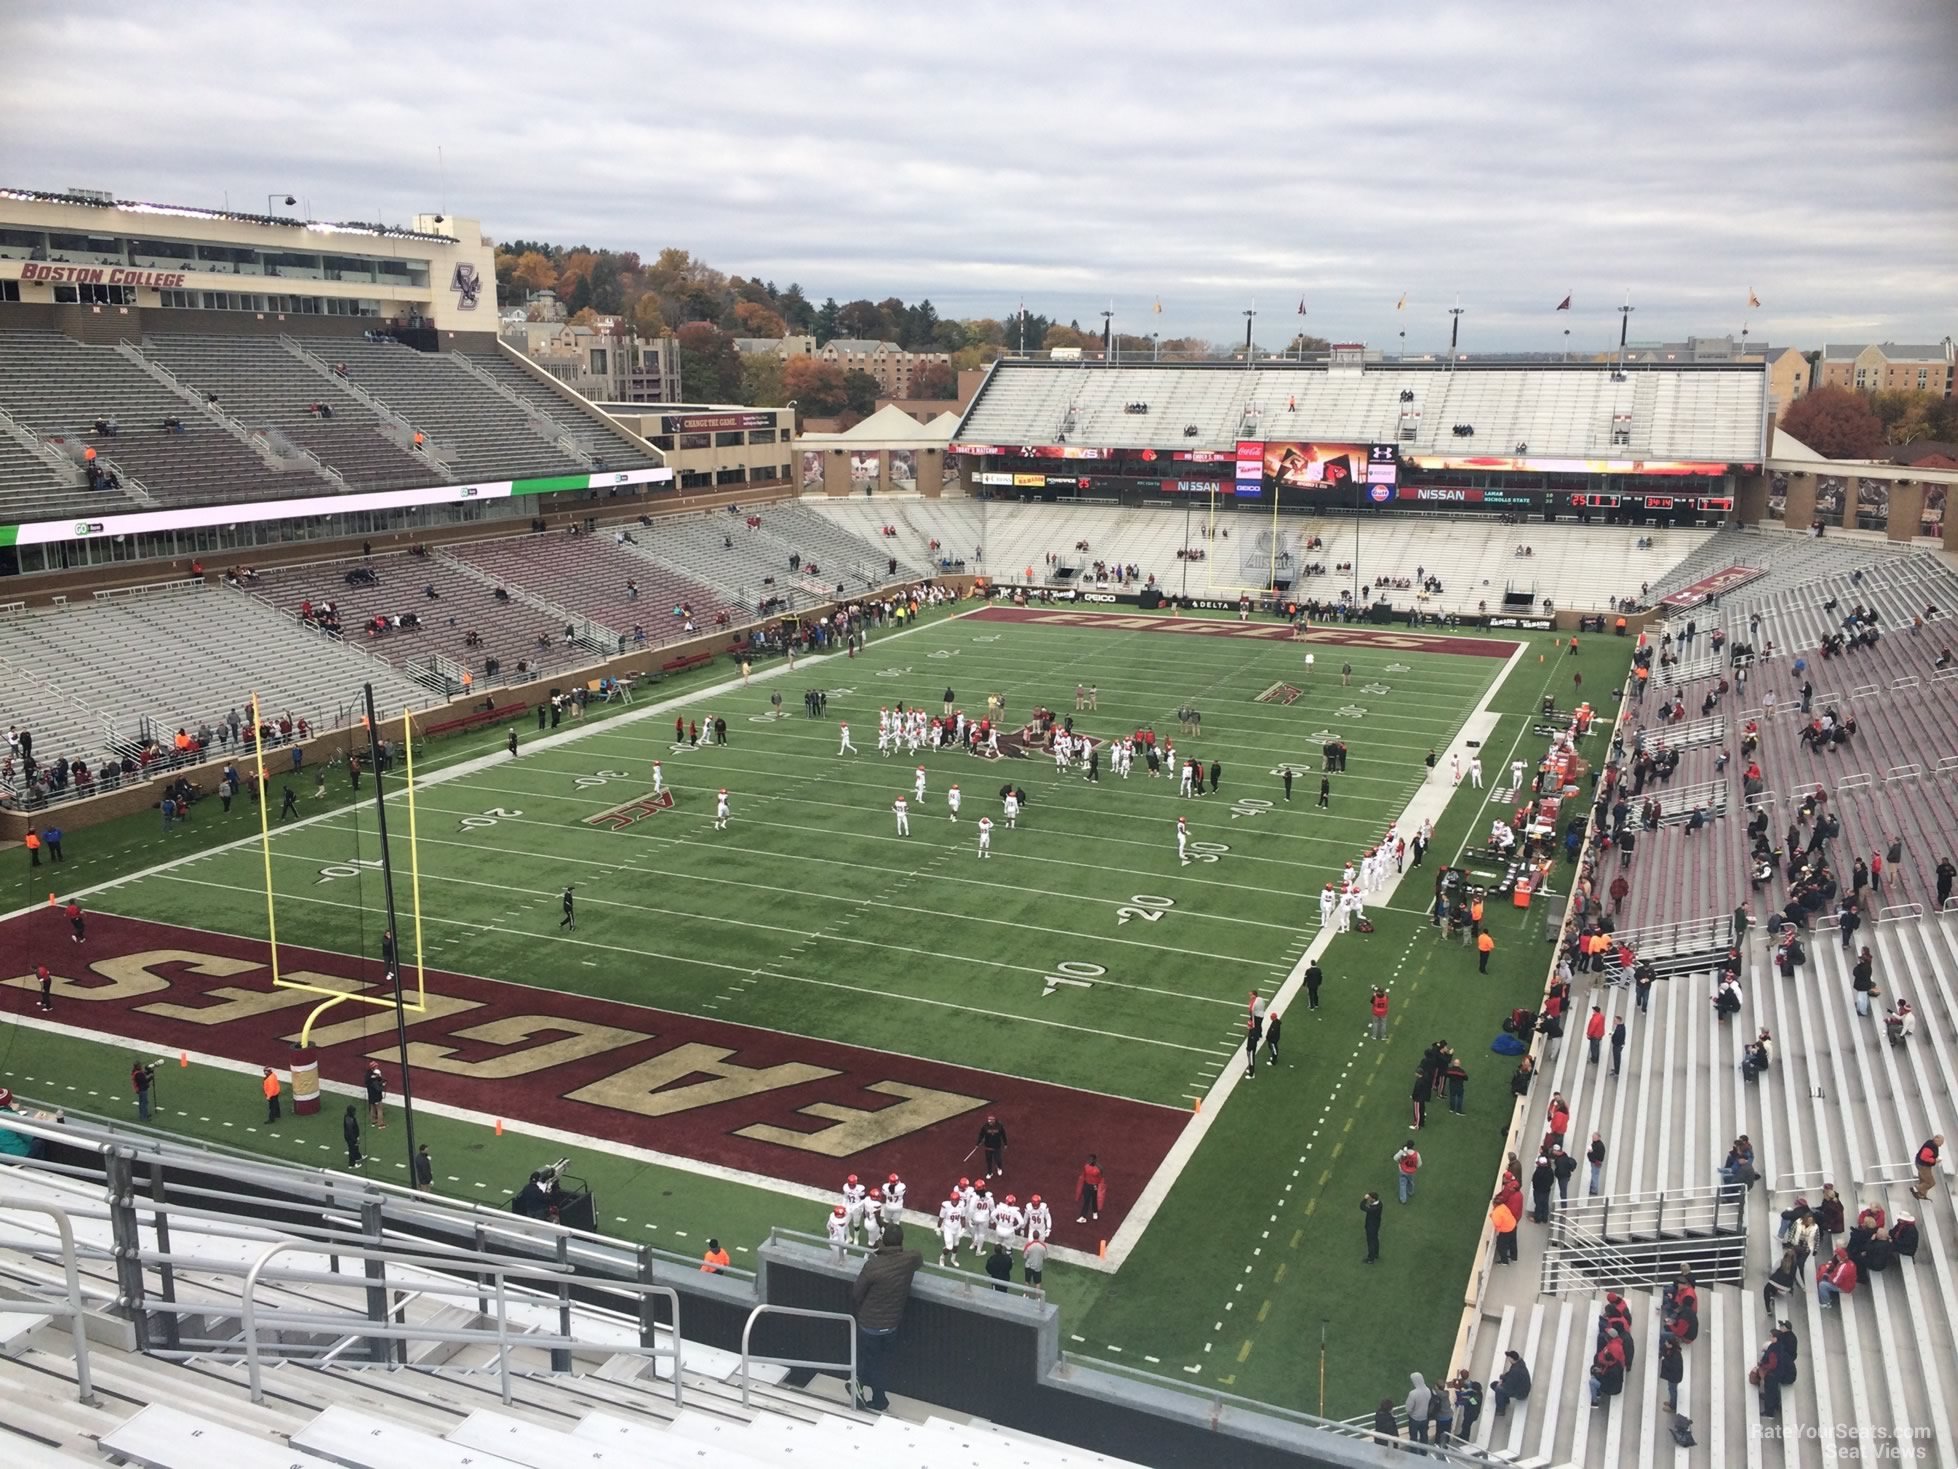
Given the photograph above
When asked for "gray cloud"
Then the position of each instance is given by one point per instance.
(1072, 155)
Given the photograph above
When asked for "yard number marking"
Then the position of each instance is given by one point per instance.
(488, 818)
(1207, 851)
(1081, 976)
(1146, 906)
(599, 778)
(351, 868)
(1249, 806)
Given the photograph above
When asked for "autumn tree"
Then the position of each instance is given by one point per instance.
(1067, 336)
(1908, 414)
(815, 386)
(757, 320)
(935, 380)
(1834, 421)
(532, 271)
(646, 317)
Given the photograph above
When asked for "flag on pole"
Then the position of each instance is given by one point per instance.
(1401, 305)
(1159, 305)
(1564, 305)
(1301, 306)
(1752, 299)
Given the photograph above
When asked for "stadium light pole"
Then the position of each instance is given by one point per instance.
(1250, 315)
(387, 890)
(1454, 332)
(1624, 328)
(1108, 337)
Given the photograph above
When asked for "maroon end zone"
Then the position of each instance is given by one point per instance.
(780, 1106)
(1207, 627)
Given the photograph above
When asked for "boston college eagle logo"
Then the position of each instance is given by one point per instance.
(468, 286)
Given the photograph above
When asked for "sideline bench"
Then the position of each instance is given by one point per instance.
(477, 719)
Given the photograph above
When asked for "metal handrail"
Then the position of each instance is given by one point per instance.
(71, 1307)
(748, 1358)
(502, 1272)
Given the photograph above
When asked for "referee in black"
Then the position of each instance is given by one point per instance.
(570, 919)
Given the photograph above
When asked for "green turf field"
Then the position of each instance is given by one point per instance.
(809, 914)
(1083, 954)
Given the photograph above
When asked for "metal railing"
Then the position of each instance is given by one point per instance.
(500, 1271)
(1717, 1209)
(749, 1359)
(71, 1304)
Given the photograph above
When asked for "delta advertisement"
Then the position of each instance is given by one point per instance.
(147, 522)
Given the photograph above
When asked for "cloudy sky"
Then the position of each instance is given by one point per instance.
(1078, 156)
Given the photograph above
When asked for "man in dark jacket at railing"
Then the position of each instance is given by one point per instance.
(878, 1296)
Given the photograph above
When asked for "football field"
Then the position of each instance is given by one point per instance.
(808, 993)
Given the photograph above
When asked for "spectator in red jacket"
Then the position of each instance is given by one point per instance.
(1837, 1278)
(1594, 1032)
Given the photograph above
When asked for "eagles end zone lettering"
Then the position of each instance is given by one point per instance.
(737, 1096)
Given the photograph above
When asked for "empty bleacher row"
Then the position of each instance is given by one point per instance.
(1581, 410)
(482, 417)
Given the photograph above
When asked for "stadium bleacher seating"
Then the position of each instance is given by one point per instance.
(1558, 410)
(33, 489)
(59, 387)
(1576, 567)
(1840, 1103)
(474, 429)
(154, 660)
(594, 434)
(511, 630)
(589, 574)
(440, 1405)
(271, 388)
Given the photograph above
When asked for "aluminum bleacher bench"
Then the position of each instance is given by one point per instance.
(540, 1448)
(161, 1437)
(361, 1441)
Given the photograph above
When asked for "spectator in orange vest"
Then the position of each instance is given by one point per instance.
(271, 1090)
(715, 1260)
(33, 847)
(1379, 1014)
(1485, 946)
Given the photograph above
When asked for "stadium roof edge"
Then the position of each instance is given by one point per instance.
(190, 211)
